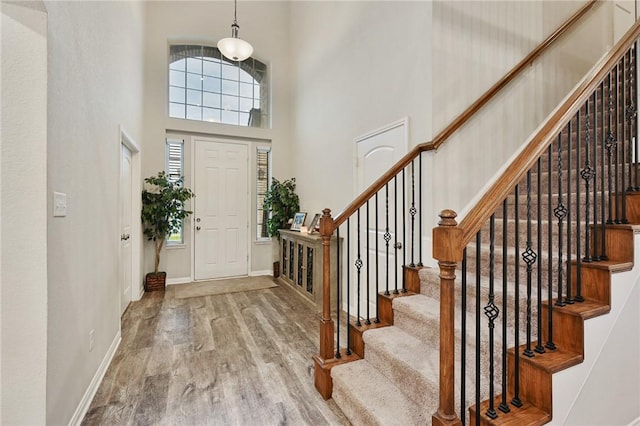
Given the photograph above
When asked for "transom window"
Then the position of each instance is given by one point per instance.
(204, 85)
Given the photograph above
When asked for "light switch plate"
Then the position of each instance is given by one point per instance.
(59, 204)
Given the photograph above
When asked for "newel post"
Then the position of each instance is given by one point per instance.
(325, 359)
(447, 249)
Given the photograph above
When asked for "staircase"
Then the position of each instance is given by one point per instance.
(479, 340)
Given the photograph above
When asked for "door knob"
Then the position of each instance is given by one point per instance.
(397, 245)
(197, 228)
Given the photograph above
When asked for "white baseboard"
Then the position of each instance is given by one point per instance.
(181, 280)
(260, 273)
(83, 407)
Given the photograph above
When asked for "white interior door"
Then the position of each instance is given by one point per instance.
(125, 227)
(376, 152)
(221, 210)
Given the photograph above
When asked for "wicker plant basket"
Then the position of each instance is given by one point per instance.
(155, 281)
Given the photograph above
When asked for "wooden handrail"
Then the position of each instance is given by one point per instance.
(499, 191)
(461, 119)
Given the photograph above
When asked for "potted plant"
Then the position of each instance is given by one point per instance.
(283, 202)
(162, 215)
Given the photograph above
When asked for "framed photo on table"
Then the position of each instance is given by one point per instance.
(298, 221)
(315, 223)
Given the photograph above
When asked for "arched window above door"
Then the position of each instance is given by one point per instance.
(206, 86)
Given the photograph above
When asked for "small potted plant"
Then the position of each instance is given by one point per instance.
(162, 215)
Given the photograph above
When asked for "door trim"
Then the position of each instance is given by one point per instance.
(125, 139)
(250, 193)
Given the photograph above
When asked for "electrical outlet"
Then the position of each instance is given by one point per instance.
(91, 333)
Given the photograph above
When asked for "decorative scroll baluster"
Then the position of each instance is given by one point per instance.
(358, 265)
(560, 213)
(412, 212)
(404, 234)
(492, 312)
(587, 174)
(478, 377)
(377, 321)
(539, 348)
(549, 344)
(504, 407)
(529, 257)
(387, 237)
(630, 116)
(395, 234)
(516, 309)
(420, 211)
(367, 320)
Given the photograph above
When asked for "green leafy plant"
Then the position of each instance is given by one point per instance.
(163, 209)
(283, 202)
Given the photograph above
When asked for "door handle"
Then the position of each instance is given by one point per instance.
(197, 228)
(397, 245)
(124, 237)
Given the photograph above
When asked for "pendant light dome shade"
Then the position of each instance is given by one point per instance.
(233, 47)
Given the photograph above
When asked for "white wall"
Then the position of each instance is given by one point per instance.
(358, 66)
(95, 85)
(23, 213)
(265, 26)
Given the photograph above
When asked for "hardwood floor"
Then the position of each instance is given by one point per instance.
(231, 359)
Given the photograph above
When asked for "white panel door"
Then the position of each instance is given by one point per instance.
(125, 228)
(375, 154)
(221, 210)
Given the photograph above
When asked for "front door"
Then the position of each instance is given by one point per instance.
(221, 210)
(376, 152)
(125, 227)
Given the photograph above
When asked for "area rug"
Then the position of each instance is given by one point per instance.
(232, 285)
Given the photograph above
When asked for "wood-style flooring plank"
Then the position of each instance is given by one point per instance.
(231, 359)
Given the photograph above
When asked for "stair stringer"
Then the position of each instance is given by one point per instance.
(572, 387)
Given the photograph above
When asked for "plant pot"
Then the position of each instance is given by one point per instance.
(155, 281)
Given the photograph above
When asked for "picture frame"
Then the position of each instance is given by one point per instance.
(298, 221)
(315, 223)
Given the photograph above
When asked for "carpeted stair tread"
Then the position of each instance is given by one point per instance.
(367, 397)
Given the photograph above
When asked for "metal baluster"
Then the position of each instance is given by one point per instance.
(549, 344)
(338, 292)
(420, 210)
(568, 299)
(413, 211)
(617, 151)
(404, 234)
(529, 257)
(539, 348)
(595, 250)
(625, 143)
(358, 265)
(463, 337)
(516, 309)
(492, 312)
(560, 213)
(609, 144)
(478, 376)
(504, 407)
(367, 320)
(395, 233)
(387, 236)
(603, 198)
(377, 321)
(631, 115)
(633, 88)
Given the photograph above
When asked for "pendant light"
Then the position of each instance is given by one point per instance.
(233, 47)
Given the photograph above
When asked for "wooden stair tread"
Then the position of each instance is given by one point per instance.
(551, 361)
(527, 415)
(608, 265)
(585, 310)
